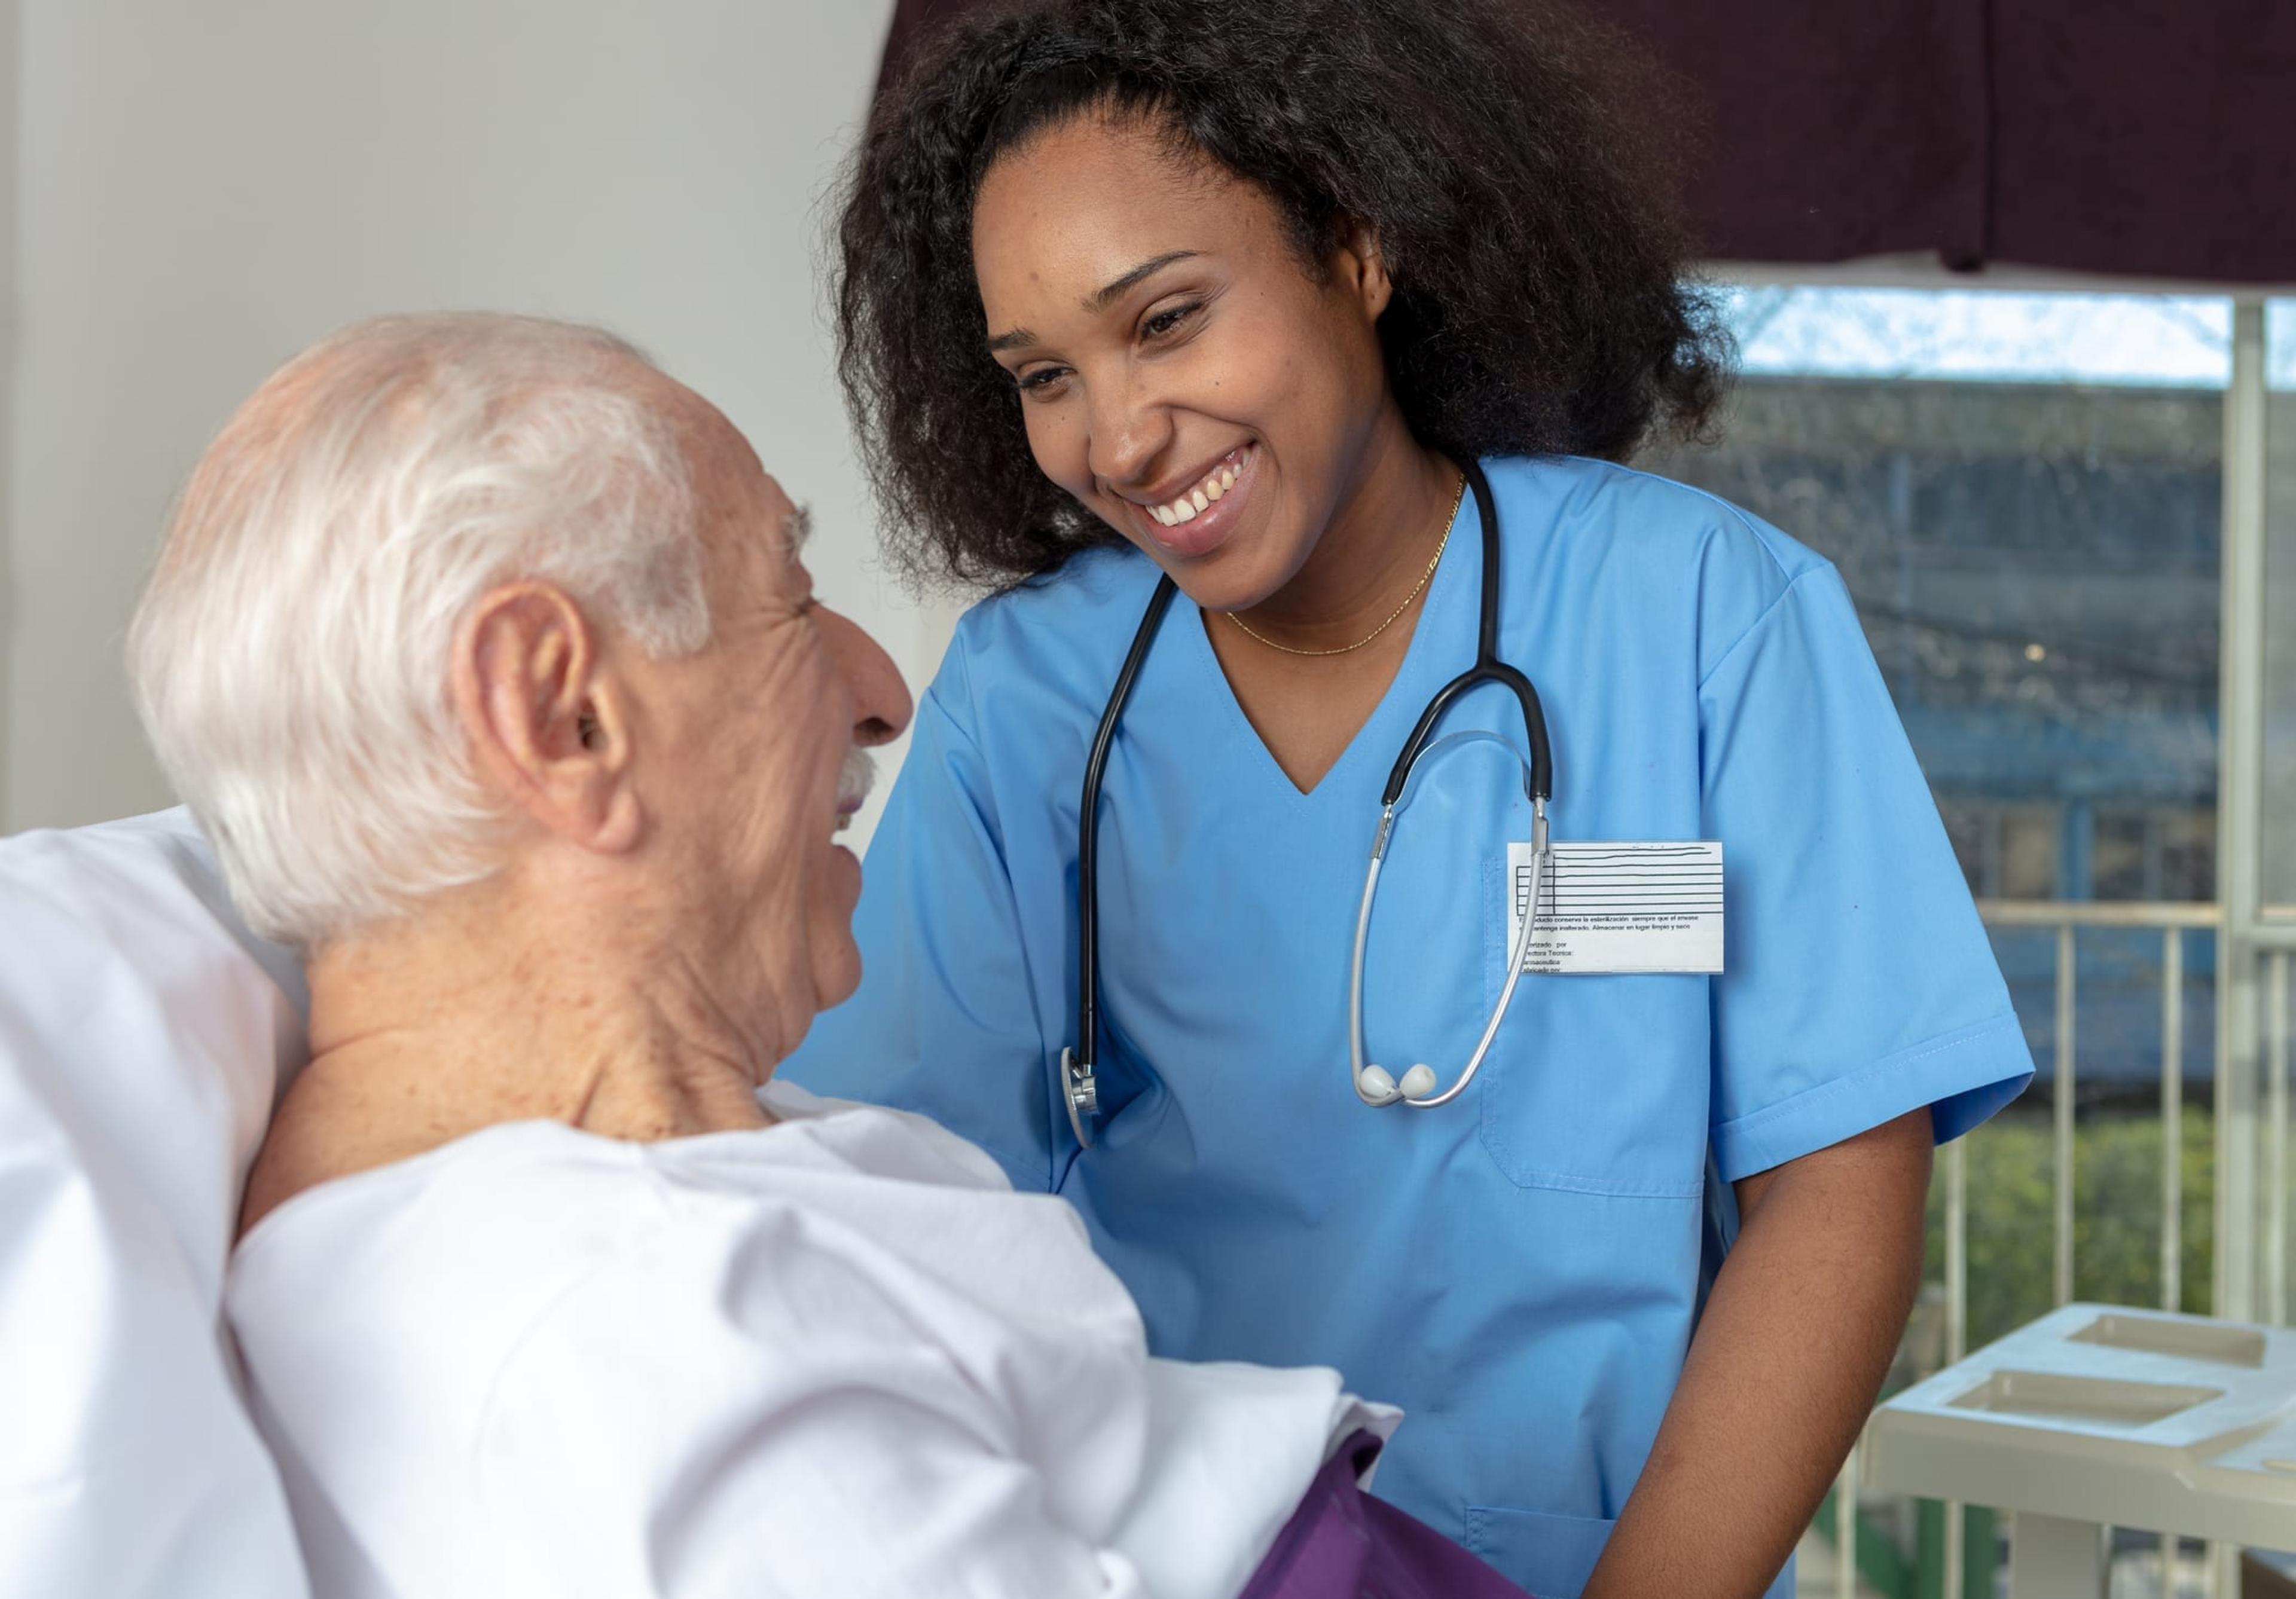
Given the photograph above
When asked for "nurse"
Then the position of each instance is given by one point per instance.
(1136, 288)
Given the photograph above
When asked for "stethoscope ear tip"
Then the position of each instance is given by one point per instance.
(1376, 1086)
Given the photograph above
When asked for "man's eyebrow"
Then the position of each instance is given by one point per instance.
(798, 527)
(1100, 299)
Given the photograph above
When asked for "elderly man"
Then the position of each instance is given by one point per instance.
(486, 654)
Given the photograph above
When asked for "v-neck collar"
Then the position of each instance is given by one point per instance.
(1442, 646)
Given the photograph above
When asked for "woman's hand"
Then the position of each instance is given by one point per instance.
(1783, 1371)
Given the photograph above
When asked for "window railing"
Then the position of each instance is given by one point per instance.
(2276, 1137)
(2258, 1233)
(2172, 920)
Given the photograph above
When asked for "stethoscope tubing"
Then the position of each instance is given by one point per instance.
(1369, 1095)
(1079, 1082)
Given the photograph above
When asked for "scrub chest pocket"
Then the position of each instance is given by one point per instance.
(1595, 1085)
(1605, 1103)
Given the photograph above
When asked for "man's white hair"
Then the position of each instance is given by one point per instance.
(290, 654)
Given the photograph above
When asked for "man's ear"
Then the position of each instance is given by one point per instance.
(1357, 266)
(547, 719)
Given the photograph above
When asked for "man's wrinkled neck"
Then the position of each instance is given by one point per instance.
(505, 1002)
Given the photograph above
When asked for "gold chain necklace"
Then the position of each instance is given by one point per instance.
(1450, 517)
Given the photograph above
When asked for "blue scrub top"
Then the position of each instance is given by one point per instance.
(1519, 1270)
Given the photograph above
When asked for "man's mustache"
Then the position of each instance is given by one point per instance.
(855, 778)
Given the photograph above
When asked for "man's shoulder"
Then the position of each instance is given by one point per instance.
(432, 1260)
(424, 1262)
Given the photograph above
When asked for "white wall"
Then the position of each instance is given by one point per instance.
(11, 316)
(200, 189)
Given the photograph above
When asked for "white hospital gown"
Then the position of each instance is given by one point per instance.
(834, 1357)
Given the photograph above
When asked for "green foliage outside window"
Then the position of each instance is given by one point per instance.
(2116, 1215)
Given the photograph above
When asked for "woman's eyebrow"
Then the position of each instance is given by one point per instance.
(1099, 299)
(1107, 296)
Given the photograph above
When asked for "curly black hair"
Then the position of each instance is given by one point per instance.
(1514, 166)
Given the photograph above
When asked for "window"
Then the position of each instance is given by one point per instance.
(2279, 887)
(2023, 494)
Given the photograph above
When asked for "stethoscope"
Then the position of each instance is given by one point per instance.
(1375, 1084)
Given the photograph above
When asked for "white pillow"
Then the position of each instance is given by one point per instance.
(144, 1035)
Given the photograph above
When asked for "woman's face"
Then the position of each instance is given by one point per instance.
(1181, 372)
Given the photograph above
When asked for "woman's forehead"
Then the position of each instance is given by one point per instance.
(1078, 206)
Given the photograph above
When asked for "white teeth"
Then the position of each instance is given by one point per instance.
(1198, 500)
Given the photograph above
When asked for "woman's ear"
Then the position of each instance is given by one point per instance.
(547, 717)
(1358, 267)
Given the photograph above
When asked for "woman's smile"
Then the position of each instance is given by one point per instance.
(1197, 518)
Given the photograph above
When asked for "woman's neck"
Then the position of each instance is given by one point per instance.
(1359, 593)
(1378, 545)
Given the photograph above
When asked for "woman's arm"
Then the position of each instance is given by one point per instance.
(1804, 1318)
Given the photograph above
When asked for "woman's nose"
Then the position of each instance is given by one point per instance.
(1130, 430)
(881, 707)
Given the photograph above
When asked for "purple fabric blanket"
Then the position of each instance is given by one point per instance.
(1344, 1543)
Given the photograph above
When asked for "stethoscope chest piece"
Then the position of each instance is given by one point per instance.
(1080, 1093)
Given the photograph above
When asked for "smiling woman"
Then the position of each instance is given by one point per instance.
(1141, 299)
(1508, 163)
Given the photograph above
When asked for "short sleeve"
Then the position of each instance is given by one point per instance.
(943, 1023)
(1858, 984)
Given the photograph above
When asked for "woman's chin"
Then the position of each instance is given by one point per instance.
(1237, 578)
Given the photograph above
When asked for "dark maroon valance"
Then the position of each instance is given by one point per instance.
(2139, 137)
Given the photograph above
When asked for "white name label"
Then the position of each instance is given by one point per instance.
(1620, 907)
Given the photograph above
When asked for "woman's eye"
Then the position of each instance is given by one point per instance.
(1040, 378)
(1166, 322)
